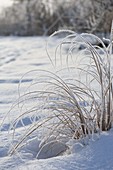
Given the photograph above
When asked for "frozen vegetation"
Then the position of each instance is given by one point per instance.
(43, 99)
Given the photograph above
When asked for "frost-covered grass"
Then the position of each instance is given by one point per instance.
(29, 110)
(74, 101)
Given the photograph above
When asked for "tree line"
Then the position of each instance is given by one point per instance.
(43, 17)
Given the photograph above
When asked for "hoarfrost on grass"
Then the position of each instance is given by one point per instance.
(82, 157)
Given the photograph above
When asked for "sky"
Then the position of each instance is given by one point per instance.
(5, 3)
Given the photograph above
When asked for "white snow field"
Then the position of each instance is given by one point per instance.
(18, 56)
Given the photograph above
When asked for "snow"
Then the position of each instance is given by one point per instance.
(18, 56)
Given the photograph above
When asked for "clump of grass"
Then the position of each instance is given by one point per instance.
(76, 101)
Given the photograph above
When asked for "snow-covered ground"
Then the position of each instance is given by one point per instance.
(18, 56)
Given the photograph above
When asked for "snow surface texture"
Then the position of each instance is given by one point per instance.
(17, 56)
